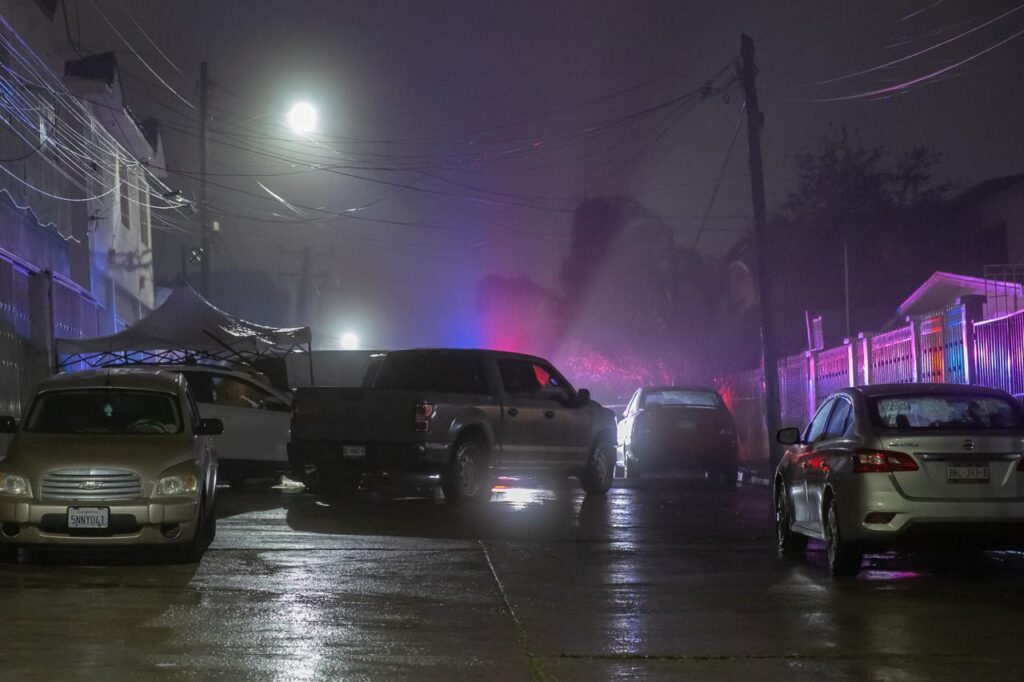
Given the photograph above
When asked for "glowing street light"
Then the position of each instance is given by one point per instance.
(302, 118)
(349, 341)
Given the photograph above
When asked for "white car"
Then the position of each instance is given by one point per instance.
(903, 465)
(256, 418)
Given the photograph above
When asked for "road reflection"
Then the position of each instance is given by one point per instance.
(518, 509)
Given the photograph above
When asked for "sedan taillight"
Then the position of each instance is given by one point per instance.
(881, 461)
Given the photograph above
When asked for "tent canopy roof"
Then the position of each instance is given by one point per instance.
(186, 324)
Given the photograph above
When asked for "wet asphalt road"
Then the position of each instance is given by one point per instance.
(666, 579)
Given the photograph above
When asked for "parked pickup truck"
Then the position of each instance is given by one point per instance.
(468, 415)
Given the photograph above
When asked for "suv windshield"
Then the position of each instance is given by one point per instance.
(106, 411)
(433, 371)
(943, 412)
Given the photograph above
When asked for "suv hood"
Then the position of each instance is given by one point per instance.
(33, 455)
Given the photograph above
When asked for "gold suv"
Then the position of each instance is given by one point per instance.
(106, 458)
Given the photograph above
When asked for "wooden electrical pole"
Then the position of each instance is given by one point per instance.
(303, 293)
(755, 119)
(204, 216)
(307, 277)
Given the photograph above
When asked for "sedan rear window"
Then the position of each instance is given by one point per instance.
(105, 411)
(943, 412)
(687, 398)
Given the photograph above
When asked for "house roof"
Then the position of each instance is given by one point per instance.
(984, 190)
(943, 288)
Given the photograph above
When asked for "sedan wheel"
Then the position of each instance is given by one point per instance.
(843, 558)
(631, 466)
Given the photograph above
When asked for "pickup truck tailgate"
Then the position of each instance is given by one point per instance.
(351, 415)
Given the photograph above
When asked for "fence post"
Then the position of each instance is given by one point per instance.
(972, 308)
(41, 306)
(851, 363)
(864, 339)
(812, 383)
(915, 347)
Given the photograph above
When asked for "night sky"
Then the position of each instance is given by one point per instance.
(478, 126)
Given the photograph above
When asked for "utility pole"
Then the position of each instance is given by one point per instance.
(755, 119)
(204, 217)
(306, 277)
(303, 293)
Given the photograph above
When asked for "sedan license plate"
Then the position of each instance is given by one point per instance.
(353, 452)
(967, 473)
(687, 424)
(88, 517)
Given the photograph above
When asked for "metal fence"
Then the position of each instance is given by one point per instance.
(833, 369)
(892, 357)
(794, 374)
(18, 357)
(743, 392)
(999, 353)
(29, 302)
(950, 346)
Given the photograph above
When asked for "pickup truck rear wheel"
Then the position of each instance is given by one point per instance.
(597, 477)
(466, 478)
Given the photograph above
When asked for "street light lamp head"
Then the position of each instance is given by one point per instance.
(302, 118)
(349, 341)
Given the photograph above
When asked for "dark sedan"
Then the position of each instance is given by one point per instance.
(668, 428)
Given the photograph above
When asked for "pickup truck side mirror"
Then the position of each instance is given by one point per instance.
(209, 427)
(8, 425)
(582, 397)
(790, 436)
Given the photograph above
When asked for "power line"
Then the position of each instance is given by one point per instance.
(139, 57)
(718, 182)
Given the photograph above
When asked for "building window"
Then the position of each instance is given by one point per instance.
(47, 119)
(125, 178)
(144, 226)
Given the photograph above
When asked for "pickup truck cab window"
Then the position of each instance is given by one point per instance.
(528, 379)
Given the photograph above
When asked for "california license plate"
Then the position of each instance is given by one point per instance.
(353, 452)
(967, 473)
(88, 517)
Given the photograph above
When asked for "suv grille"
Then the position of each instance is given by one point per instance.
(91, 484)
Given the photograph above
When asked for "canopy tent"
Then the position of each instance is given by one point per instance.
(185, 326)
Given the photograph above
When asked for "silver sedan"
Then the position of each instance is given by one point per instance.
(903, 465)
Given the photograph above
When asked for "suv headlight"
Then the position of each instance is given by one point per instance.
(180, 484)
(12, 484)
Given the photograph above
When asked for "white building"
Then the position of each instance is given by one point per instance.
(77, 183)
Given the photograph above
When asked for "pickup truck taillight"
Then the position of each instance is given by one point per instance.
(424, 413)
